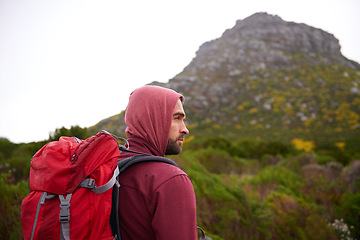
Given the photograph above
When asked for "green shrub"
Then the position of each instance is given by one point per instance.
(331, 150)
(20, 167)
(218, 143)
(259, 149)
(218, 161)
(74, 131)
(6, 148)
(324, 159)
(349, 210)
(352, 144)
(294, 218)
(10, 206)
(276, 178)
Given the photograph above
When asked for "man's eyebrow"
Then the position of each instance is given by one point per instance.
(179, 114)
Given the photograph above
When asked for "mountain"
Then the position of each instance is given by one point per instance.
(271, 79)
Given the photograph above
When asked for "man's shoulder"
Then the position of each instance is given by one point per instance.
(152, 170)
(163, 169)
(148, 177)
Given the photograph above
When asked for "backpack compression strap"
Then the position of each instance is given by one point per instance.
(90, 183)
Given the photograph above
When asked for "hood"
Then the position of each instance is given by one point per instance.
(148, 117)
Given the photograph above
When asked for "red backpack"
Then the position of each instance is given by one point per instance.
(80, 171)
(74, 189)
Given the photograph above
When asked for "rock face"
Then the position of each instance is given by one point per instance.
(266, 72)
(262, 41)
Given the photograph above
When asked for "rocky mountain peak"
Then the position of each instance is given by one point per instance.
(263, 41)
(267, 72)
(260, 17)
(286, 36)
(225, 70)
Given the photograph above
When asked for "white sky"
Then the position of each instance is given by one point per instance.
(75, 62)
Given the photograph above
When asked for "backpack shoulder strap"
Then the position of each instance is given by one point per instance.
(127, 162)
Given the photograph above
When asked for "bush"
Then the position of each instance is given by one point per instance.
(6, 148)
(218, 143)
(330, 150)
(218, 161)
(276, 178)
(74, 131)
(293, 218)
(352, 145)
(20, 167)
(324, 159)
(259, 149)
(349, 211)
(10, 206)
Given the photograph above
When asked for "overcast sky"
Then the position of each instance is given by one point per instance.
(75, 62)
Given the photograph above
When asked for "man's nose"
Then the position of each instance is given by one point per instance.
(184, 130)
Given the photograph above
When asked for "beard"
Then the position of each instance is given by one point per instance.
(173, 148)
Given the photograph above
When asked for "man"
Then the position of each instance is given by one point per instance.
(156, 200)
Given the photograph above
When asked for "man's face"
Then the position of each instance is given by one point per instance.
(177, 130)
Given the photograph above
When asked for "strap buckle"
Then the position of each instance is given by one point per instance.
(64, 215)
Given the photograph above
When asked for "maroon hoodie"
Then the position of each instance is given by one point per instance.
(156, 200)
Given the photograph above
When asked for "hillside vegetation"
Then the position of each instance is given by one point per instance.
(246, 189)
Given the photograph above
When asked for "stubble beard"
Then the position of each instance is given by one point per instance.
(173, 148)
